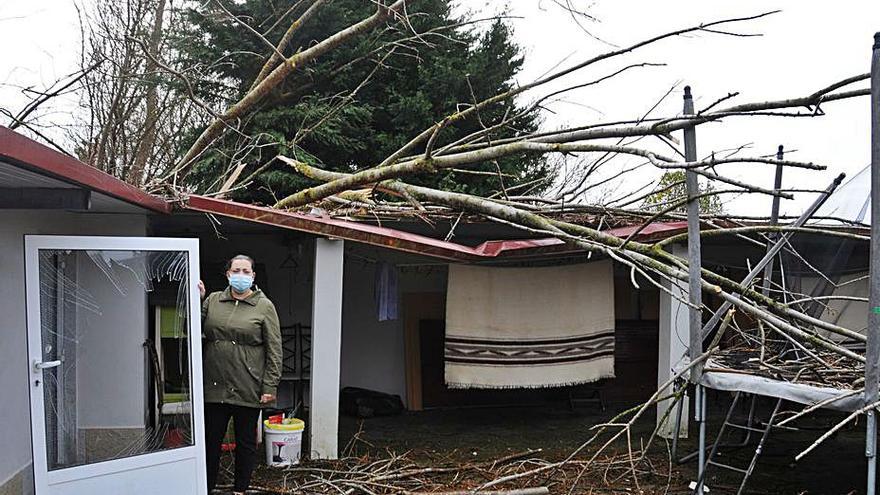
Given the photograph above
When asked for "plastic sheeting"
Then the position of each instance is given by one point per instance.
(794, 392)
(851, 202)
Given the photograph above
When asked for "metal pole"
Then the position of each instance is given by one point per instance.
(700, 417)
(720, 312)
(774, 219)
(872, 352)
(677, 428)
(695, 289)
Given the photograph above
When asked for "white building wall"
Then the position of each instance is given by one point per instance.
(372, 350)
(373, 354)
(15, 456)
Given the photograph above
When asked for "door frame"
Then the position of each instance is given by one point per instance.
(418, 306)
(45, 479)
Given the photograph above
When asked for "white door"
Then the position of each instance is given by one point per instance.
(114, 342)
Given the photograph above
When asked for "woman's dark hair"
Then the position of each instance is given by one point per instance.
(239, 257)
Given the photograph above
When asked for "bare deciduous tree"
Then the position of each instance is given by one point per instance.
(133, 110)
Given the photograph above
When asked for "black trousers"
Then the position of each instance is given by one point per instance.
(244, 420)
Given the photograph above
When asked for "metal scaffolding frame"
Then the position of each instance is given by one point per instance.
(698, 332)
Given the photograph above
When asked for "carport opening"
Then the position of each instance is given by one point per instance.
(404, 357)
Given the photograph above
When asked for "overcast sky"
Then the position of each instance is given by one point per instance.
(808, 45)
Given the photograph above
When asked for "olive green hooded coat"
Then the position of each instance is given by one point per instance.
(241, 348)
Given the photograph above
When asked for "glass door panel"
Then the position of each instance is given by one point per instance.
(103, 374)
(113, 355)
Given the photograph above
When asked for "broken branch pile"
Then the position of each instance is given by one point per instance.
(413, 474)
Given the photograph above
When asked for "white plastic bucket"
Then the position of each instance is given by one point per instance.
(283, 441)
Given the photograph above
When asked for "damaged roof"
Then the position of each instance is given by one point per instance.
(50, 168)
(320, 223)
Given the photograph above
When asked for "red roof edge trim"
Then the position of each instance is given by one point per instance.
(342, 229)
(29, 154)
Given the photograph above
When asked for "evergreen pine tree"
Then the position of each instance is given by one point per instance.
(416, 86)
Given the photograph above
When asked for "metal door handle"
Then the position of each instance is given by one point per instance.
(39, 366)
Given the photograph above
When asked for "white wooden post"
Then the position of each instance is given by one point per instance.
(673, 343)
(326, 349)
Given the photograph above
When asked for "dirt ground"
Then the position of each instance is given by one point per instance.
(471, 435)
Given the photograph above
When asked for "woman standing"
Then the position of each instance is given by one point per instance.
(241, 342)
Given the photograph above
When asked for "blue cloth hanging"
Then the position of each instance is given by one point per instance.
(386, 291)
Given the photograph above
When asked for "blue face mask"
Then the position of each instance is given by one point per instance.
(240, 282)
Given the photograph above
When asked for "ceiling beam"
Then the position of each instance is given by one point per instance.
(44, 198)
